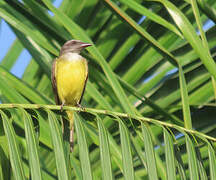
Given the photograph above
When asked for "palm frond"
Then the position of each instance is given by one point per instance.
(149, 102)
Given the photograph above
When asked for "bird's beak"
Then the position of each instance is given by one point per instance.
(84, 45)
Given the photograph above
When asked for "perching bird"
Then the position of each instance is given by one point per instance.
(69, 77)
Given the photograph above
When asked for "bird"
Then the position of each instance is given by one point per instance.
(69, 78)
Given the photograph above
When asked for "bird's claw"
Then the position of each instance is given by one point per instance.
(81, 107)
(62, 106)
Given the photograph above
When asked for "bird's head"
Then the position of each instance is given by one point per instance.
(73, 46)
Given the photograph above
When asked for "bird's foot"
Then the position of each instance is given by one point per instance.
(81, 107)
(62, 106)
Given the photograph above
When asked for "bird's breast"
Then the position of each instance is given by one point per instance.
(71, 74)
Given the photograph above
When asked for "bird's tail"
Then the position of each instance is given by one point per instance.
(71, 119)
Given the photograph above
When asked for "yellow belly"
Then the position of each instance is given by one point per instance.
(70, 80)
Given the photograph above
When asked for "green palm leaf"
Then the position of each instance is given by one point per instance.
(149, 102)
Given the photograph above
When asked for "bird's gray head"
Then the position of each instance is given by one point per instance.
(73, 46)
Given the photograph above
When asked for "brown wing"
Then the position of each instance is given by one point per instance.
(53, 78)
(85, 82)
